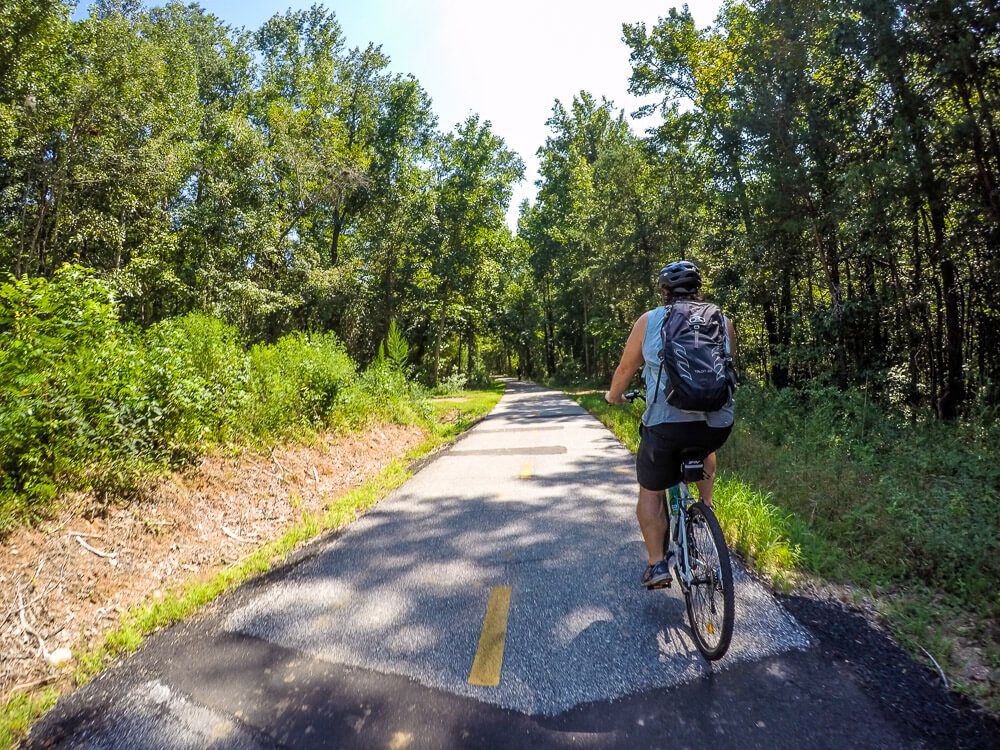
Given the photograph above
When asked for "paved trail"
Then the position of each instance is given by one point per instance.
(370, 640)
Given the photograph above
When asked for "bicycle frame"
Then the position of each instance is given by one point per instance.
(676, 501)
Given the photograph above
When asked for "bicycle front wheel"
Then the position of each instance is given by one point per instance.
(710, 598)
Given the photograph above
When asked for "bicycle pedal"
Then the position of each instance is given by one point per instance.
(660, 585)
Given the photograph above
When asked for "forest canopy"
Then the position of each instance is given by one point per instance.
(276, 178)
(833, 166)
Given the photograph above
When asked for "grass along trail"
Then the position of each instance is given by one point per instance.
(800, 508)
(197, 535)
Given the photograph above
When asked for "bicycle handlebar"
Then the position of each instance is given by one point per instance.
(632, 395)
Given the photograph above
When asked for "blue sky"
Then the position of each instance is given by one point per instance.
(508, 60)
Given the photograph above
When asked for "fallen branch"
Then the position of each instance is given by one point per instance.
(940, 671)
(278, 464)
(233, 535)
(98, 552)
(13, 610)
(84, 533)
(28, 629)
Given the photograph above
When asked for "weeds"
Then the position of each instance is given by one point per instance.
(908, 509)
(87, 402)
(24, 708)
(21, 711)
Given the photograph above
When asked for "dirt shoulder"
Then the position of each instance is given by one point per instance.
(67, 582)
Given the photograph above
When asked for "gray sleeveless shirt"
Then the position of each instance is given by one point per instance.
(660, 411)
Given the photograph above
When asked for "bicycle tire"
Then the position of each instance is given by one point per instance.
(711, 650)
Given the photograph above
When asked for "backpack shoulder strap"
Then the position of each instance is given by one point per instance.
(667, 309)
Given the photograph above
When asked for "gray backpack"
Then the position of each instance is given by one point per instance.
(696, 355)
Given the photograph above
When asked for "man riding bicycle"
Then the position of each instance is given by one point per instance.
(667, 430)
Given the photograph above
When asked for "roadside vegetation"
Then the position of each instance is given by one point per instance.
(93, 406)
(906, 510)
(441, 421)
(821, 482)
(90, 403)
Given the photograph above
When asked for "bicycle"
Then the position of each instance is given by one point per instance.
(701, 559)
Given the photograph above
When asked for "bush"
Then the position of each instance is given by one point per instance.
(481, 378)
(910, 501)
(87, 402)
(296, 382)
(453, 383)
(44, 328)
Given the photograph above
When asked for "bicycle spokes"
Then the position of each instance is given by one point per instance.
(709, 596)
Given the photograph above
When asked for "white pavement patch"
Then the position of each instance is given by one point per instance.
(155, 716)
(404, 591)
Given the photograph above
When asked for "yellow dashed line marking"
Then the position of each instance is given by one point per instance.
(527, 470)
(486, 666)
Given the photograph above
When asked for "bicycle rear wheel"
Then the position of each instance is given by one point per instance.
(710, 599)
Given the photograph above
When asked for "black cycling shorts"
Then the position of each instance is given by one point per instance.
(658, 462)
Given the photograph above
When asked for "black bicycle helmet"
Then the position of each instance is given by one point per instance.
(681, 277)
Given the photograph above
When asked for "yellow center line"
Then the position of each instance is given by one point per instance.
(489, 655)
(526, 470)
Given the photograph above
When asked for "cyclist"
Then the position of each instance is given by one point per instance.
(666, 430)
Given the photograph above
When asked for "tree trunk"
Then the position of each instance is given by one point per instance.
(909, 109)
(471, 346)
(550, 356)
(437, 352)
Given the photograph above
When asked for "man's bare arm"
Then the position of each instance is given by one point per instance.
(631, 361)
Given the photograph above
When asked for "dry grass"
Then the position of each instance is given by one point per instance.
(184, 526)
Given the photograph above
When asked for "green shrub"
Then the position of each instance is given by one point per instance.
(296, 382)
(454, 382)
(385, 392)
(480, 378)
(87, 402)
(904, 501)
(45, 327)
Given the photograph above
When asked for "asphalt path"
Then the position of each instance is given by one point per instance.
(512, 558)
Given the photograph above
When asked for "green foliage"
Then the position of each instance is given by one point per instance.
(45, 327)
(394, 351)
(275, 178)
(907, 509)
(299, 374)
(904, 502)
(89, 402)
(827, 164)
(453, 383)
